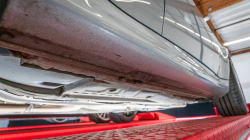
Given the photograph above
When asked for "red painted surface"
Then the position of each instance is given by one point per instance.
(28, 134)
(136, 118)
(162, 116)
(248, 106)
(160, 126)
(84, 119)
(216, 111)
(155, 116)
(225, 128)
(146, 116)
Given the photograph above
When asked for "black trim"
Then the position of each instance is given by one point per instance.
(166, 39)
(3, 5)
(133, 17)
(201, 54)
(230, 104)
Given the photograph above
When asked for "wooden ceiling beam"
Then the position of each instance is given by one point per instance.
(240, 52)
(215, 5)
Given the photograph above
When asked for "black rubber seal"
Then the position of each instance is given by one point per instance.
(3, 5)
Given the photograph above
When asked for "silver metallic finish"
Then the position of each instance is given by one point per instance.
(62, 105)
(120, 93)
(148, 12)
(104, 116)
(5, 96)
(181, 28)
(28, 109)
(16, 100)
(36, 78)
(98, 33)
(57, 120)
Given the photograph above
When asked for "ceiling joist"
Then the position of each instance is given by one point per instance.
(240, 52)
(210, 6)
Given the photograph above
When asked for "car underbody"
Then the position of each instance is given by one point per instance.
(41, 91)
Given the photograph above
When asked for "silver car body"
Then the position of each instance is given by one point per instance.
(123, 55)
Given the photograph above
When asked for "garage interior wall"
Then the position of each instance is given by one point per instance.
(242, 65)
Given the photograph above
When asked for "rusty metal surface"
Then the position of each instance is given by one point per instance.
(139, 76)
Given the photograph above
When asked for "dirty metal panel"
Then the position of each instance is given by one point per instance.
(37, 80)
(103, 39)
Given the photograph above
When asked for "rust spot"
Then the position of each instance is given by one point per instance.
(6, 35)
(66, 55)
(139, 77)
(117, 55)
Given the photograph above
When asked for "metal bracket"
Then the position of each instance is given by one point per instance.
(28, 109)
(210, 9)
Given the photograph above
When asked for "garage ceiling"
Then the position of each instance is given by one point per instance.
(230, 20)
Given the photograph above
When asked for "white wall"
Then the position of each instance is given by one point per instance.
(242, 65)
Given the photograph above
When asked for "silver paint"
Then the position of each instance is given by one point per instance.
(149, 12)
(12, 71)
(99, 33)
(181, 28)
